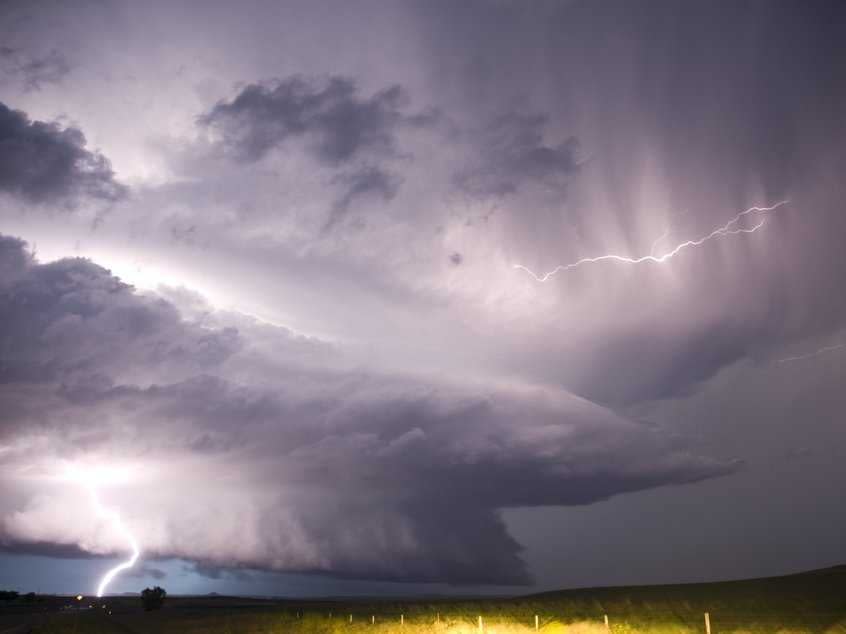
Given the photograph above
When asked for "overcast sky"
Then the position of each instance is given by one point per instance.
(309, 293)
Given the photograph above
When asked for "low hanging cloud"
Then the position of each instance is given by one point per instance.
(46, 163)
(291, 462)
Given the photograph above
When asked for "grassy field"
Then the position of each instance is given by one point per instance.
(810, 602)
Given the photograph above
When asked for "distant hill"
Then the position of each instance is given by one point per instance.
(812, 585)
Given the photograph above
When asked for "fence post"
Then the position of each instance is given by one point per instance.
(438, 617)
(350, 618)
(481, 625)
(536, 622)
(373, 620)
(402, 619)
(607, 626)
(707, 623)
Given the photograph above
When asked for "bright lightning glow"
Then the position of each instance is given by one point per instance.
(813, 354)
(113, 516)
(729, 228)
(90, 479)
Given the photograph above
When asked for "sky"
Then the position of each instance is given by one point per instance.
(420, 297)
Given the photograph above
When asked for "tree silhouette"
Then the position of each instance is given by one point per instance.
(153, 598)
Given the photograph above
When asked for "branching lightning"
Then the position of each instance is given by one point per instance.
(658, 241)
(813, 354)
(732, 227)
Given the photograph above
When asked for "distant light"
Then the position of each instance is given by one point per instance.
(79, 597)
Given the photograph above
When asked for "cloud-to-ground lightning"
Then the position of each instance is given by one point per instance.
(816, 353)
(90, 479)
(114, 517)
(729, 228)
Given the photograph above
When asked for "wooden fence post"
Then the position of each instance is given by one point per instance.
(481, 625)
(707, 623)
(536, 622)
(402, 619)
(373, 620)
(350, 618)
(607, 626)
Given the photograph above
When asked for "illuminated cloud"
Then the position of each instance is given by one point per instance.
(343, 368)
(300, 468)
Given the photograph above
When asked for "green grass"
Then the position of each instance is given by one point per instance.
(810, 602)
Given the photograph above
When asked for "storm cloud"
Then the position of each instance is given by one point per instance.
(44, 162)
(512, 153)
(342, 130)
(314, 469)
(33, 71)
(314, 317)
(342, 126)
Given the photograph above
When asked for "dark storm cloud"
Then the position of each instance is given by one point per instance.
(363, 182)
(340, 127)
(216, 572)
(147, 571)
(511, 153)
(44, 162)
(34, 71)
(671, 366)
(353, 473)
(14, 258)
(44, 549)
(262, 117)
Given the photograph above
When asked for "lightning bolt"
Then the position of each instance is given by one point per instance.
(812, 354)
(114, 517)
(729, 228)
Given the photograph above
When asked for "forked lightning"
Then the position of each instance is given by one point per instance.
(730, 228)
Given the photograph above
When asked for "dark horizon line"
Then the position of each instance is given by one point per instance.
(833, 569)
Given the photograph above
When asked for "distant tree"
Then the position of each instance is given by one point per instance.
(30, 597)
(8, 595)
(153, 598)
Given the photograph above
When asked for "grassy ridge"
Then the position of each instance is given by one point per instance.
(811, 602)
